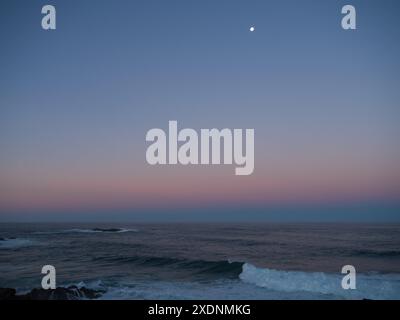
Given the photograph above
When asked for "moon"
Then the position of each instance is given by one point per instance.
(252, 29)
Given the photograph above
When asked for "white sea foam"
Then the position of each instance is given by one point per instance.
(94, 285)
(120, 230)
(220, 289)
(372, 286)
(171, 290)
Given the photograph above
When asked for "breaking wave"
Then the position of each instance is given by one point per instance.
(237, 280)
(314, 284)
(374, 286)
(252, 283)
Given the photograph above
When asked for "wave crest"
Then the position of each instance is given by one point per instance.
(93, 230)
(368, 286)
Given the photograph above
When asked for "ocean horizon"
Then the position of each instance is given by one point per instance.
(205, 261)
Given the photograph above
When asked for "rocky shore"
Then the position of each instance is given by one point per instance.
(60, 293)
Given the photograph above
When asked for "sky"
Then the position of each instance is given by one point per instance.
(76, 104)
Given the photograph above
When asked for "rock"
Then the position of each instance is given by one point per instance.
(7, 293)
(60, 293)
(107, 230)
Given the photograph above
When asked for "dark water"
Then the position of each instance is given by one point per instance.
(206, 261)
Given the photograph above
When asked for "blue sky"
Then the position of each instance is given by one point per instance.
(76, 103)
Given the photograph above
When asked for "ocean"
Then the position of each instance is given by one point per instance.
(205, 261)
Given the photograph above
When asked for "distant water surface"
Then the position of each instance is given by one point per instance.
(206, 261)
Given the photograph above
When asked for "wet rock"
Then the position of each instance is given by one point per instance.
(60, 293)
(107, 229)
(7, 293)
